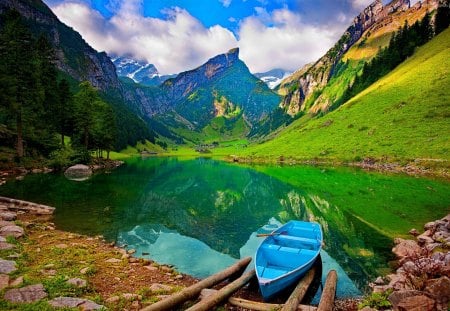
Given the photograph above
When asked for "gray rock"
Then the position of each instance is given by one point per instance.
(29, 293)
(70, 302)
(6, 246)
(4, 281)
(396, 297)
(430, 225)
(12, 230)
(8, 216)
(77, 282)
(78, 172)
(7, 266)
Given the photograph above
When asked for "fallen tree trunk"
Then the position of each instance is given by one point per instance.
(327, 300)
(212, 300)
(299, 292)
(261, 306)
(192, 291)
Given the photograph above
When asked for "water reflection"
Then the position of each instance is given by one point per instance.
(201, 215)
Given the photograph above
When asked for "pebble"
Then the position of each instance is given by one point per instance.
(84, 270)
(113, 260)
(7, 266)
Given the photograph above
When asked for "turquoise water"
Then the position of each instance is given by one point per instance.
(202, 215)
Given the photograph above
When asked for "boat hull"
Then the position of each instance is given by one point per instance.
(286, 255)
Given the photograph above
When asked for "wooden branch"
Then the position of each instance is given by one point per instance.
(327, 300)
(209, 302)
(193, 291)
(262, 306)
(299, 292)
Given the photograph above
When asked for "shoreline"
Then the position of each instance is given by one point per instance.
(104, 274)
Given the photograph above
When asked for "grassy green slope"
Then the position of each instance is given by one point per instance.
(405, 115)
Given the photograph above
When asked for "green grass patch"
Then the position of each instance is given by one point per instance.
(403, 116)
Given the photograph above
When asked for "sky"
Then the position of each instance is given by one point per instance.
(179, 35)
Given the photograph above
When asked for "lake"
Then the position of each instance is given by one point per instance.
(201, 215)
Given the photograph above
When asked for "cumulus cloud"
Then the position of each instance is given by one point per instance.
(288, 43)
(174, 44)
(179, 41)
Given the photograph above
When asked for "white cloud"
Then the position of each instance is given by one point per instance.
(181, 42)
(288, 44)
(225, 3)
(361, 4)
(174, 44)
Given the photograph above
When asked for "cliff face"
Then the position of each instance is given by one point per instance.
(73, 55)
(299, 89)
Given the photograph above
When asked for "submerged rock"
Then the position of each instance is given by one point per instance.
(78, 172)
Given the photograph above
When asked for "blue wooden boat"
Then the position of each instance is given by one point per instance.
(285, 256)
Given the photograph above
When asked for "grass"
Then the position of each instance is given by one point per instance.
(403, 116)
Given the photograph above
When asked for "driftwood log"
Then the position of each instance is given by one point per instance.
(221, 295)
(299, 292)
(261, 306)
(327, 300)
(193, 291)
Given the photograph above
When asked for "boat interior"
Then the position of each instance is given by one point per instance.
(285, 252)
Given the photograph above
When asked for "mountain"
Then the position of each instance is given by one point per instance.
(401, 117)
(219, 97)
(73, 55)
(273, 77)
(316, 87)
(77, 61)
(140, 72)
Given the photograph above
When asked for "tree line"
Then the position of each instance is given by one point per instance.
(39, 107)
(401, 46)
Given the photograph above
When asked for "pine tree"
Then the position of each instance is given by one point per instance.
(17, 73)
(64, 110)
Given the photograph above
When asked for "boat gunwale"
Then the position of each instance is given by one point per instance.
(262, 281)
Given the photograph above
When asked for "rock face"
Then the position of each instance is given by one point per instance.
(73, 55)
(311, 78)
(78, 172)
(29, 293)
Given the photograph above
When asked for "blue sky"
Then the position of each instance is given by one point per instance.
(178, 35)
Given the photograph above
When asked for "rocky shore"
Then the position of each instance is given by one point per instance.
(422, 278)
(44, 268)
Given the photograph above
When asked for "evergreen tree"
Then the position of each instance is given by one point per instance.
(442, 17)
(17, 74)
(64, 110)
(86, 101)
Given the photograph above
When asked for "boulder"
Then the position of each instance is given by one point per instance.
(70, 302)
(7, 266)
(78, 172)
(29, 293)
(12, 230)
(416, 303)
(406, 248)
(439, 289)
(425, 238)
